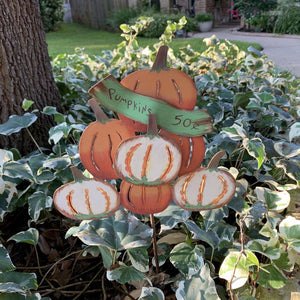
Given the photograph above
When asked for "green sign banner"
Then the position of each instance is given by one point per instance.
(114, 96)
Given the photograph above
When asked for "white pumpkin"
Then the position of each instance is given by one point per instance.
(86, 199)
(204, 189)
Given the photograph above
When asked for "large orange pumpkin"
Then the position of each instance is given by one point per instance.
(161, 82)
(148, 159)
(143, 199)
(192, 150)
(99, 141)
(204, 189)
(86, 199)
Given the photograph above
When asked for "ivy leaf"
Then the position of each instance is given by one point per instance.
(289, 229)
(265, 98)
(57, 163)
(287, 150)
(16, 123)
(171, 216)
(187, 259)
(210, 237)
(256, 149)
(255, 213)
(51, 110)
(31, 236)
(5, 261)
(26, 104)
(59, 131)
(125, 274)
(276, 201)
(139, 258)
(18, 169)
(235, 132)
(225, 232)
(200, 286)
(37, 202)
(263, 247)
(291, 167)
(151, 293)
(26, 281)
(237, 202)
(294, 131)
(239, 272)
(212, 216)
(118, 232)
(271, 277)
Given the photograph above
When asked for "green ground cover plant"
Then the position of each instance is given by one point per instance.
(239, 251)
(94, 41)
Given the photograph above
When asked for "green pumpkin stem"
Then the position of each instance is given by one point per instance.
(77, 174)
(152, 125)
(99, 113)
(214, 162)
(160, 62)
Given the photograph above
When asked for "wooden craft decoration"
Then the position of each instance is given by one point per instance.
(192, 150)
(161, 82)
(148, 159)
(86, 199)
(144, 199)
(99, 141)
(204, 189)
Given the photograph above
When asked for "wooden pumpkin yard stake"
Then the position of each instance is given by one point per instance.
(86, 199)
(99, 141)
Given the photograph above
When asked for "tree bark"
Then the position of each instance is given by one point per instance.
(25, 71)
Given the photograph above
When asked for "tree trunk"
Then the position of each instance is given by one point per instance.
(25, 71)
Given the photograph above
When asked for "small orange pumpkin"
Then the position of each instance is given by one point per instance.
(99, 141)
(86, 199)
(143, 199)
(161, 82)
(148, 159)
(204, 189)
(192, 150)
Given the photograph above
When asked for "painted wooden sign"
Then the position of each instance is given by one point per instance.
(148, 159)
(156, 167)
(86, 199)
(110, 93)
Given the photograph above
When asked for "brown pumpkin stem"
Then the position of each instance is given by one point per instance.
(152, 222)
(214, 162)
(99, 113)
(77, 174)
(160, 62)
(152, 125)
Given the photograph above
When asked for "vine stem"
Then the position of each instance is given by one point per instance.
(239, 257)
(154, 242)
(33, 139)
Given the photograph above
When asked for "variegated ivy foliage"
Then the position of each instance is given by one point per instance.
(252, 242)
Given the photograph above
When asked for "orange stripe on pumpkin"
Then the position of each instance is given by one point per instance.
(170, 161)
(146, 160)
(224, 190)
(184, 186)
(107, 198)
(201, 189)
(69, 198)
(129, 156)
(87, 199)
